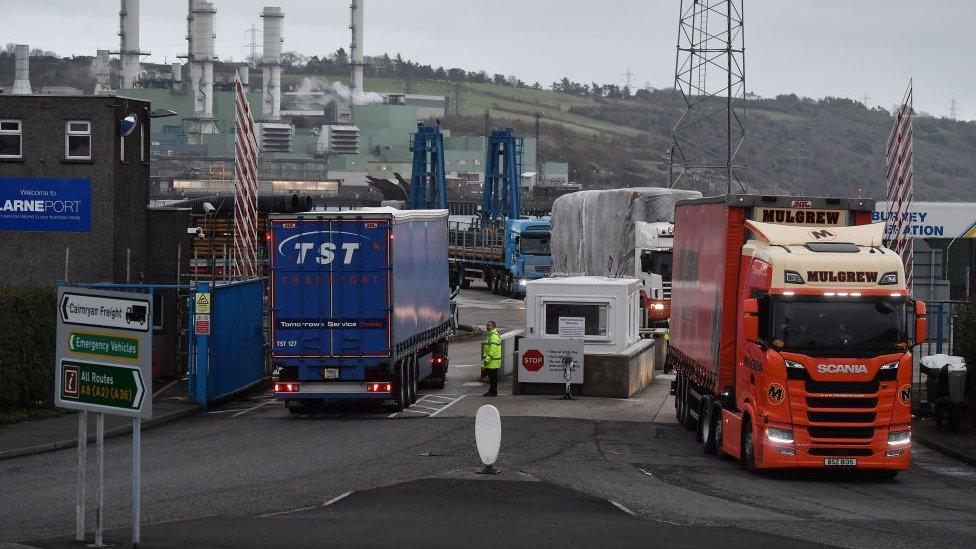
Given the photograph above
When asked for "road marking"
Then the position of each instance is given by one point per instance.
(226, 411)
(441, 398)
(425, 407)
(255, 407)
(337, 498)
(289, 511)
(448, 405)
(475, 384)
(622, 508)
(645, 472)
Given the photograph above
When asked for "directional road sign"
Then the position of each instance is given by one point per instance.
(92, 308)
(104, 352)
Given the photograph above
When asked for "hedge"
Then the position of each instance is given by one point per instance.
(27, 345)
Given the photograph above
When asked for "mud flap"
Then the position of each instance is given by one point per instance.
(732, 433)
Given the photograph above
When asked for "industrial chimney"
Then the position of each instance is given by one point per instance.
(201, 58)
(102, 68)
(356, 49)
(21, 70)
(271, 62)
(130, 67)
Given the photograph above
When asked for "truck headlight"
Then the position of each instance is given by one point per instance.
(522, 282)
(899, 438)
(888, 279)
(658, 306)
(779, 436)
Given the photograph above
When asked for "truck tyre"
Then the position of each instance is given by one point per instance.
(748, 445)
(412, 381)
(399, 388)
(689, 422)
(465, 283)
(704, 417)
(710, 424)
(684, 420)
(719, 430)
(679, 399)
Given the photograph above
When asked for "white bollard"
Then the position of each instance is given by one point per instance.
(488, 436)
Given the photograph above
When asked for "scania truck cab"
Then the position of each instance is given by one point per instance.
(795, 351)
(653, 256)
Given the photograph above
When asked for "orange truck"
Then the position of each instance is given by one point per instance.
(791, 332)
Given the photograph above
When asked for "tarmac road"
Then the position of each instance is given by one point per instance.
(251, 458)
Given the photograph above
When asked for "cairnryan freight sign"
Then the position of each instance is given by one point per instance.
(45, 204)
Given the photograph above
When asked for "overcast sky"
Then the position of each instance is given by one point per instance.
(856, 49)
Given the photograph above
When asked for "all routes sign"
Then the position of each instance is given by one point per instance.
(104, 352)
(104, 385)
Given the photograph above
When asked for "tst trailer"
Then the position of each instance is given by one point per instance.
(360, 305)
(791, 332)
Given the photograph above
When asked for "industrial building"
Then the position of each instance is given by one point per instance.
(74, 190)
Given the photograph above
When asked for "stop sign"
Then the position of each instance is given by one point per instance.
(533, 360)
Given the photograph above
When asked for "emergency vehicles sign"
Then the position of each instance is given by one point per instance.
(543, 360)
(45, 204)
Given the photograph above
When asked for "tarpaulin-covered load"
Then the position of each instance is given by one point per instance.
(593, 231)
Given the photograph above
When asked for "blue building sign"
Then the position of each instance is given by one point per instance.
(45, 204)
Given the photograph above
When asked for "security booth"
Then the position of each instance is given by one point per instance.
(605, 314)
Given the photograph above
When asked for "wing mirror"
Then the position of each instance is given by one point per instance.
(921, 323)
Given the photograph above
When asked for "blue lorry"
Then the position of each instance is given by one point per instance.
(360, 305)
(505, 255)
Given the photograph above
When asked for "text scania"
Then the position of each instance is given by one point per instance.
(842, 368)
(326, 252)
(56, 206)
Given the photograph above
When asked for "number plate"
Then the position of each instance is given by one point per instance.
(840, 462)
(331, 373)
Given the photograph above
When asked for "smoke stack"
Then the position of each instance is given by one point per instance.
(21, 70)
(245, 71)
(129, 43)
(102, 67)
(202, 57)
(356, 48)
(271, 61)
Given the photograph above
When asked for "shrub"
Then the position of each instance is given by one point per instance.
(27, 345)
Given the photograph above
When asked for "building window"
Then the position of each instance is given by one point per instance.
(78, 140)
(595, 315)
(11, 139)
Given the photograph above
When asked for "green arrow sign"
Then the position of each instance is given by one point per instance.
(102, 385)
(110, 346)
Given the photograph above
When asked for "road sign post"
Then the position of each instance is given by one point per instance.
(103, 364)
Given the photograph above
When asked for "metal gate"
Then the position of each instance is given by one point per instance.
(227, 344)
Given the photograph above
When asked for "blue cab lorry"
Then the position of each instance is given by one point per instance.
(505, 256)
(360, 305)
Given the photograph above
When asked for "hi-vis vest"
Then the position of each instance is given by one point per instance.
(491, 351)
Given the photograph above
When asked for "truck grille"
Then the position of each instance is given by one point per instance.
(840, 452)
(842, 417)
(841, 432)
(858, 387)
(542, 268)
(666, 290)
(828, 402)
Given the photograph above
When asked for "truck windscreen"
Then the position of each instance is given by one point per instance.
(838, 326)
(657, 262)
(532, 244)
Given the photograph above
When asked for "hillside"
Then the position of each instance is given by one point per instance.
(794, 145)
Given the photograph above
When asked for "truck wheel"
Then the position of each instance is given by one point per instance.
(718, 430)
(679, 399)
(412, 383)
(465, 283)
(748, 445)
(706, 425)
(399, 388)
